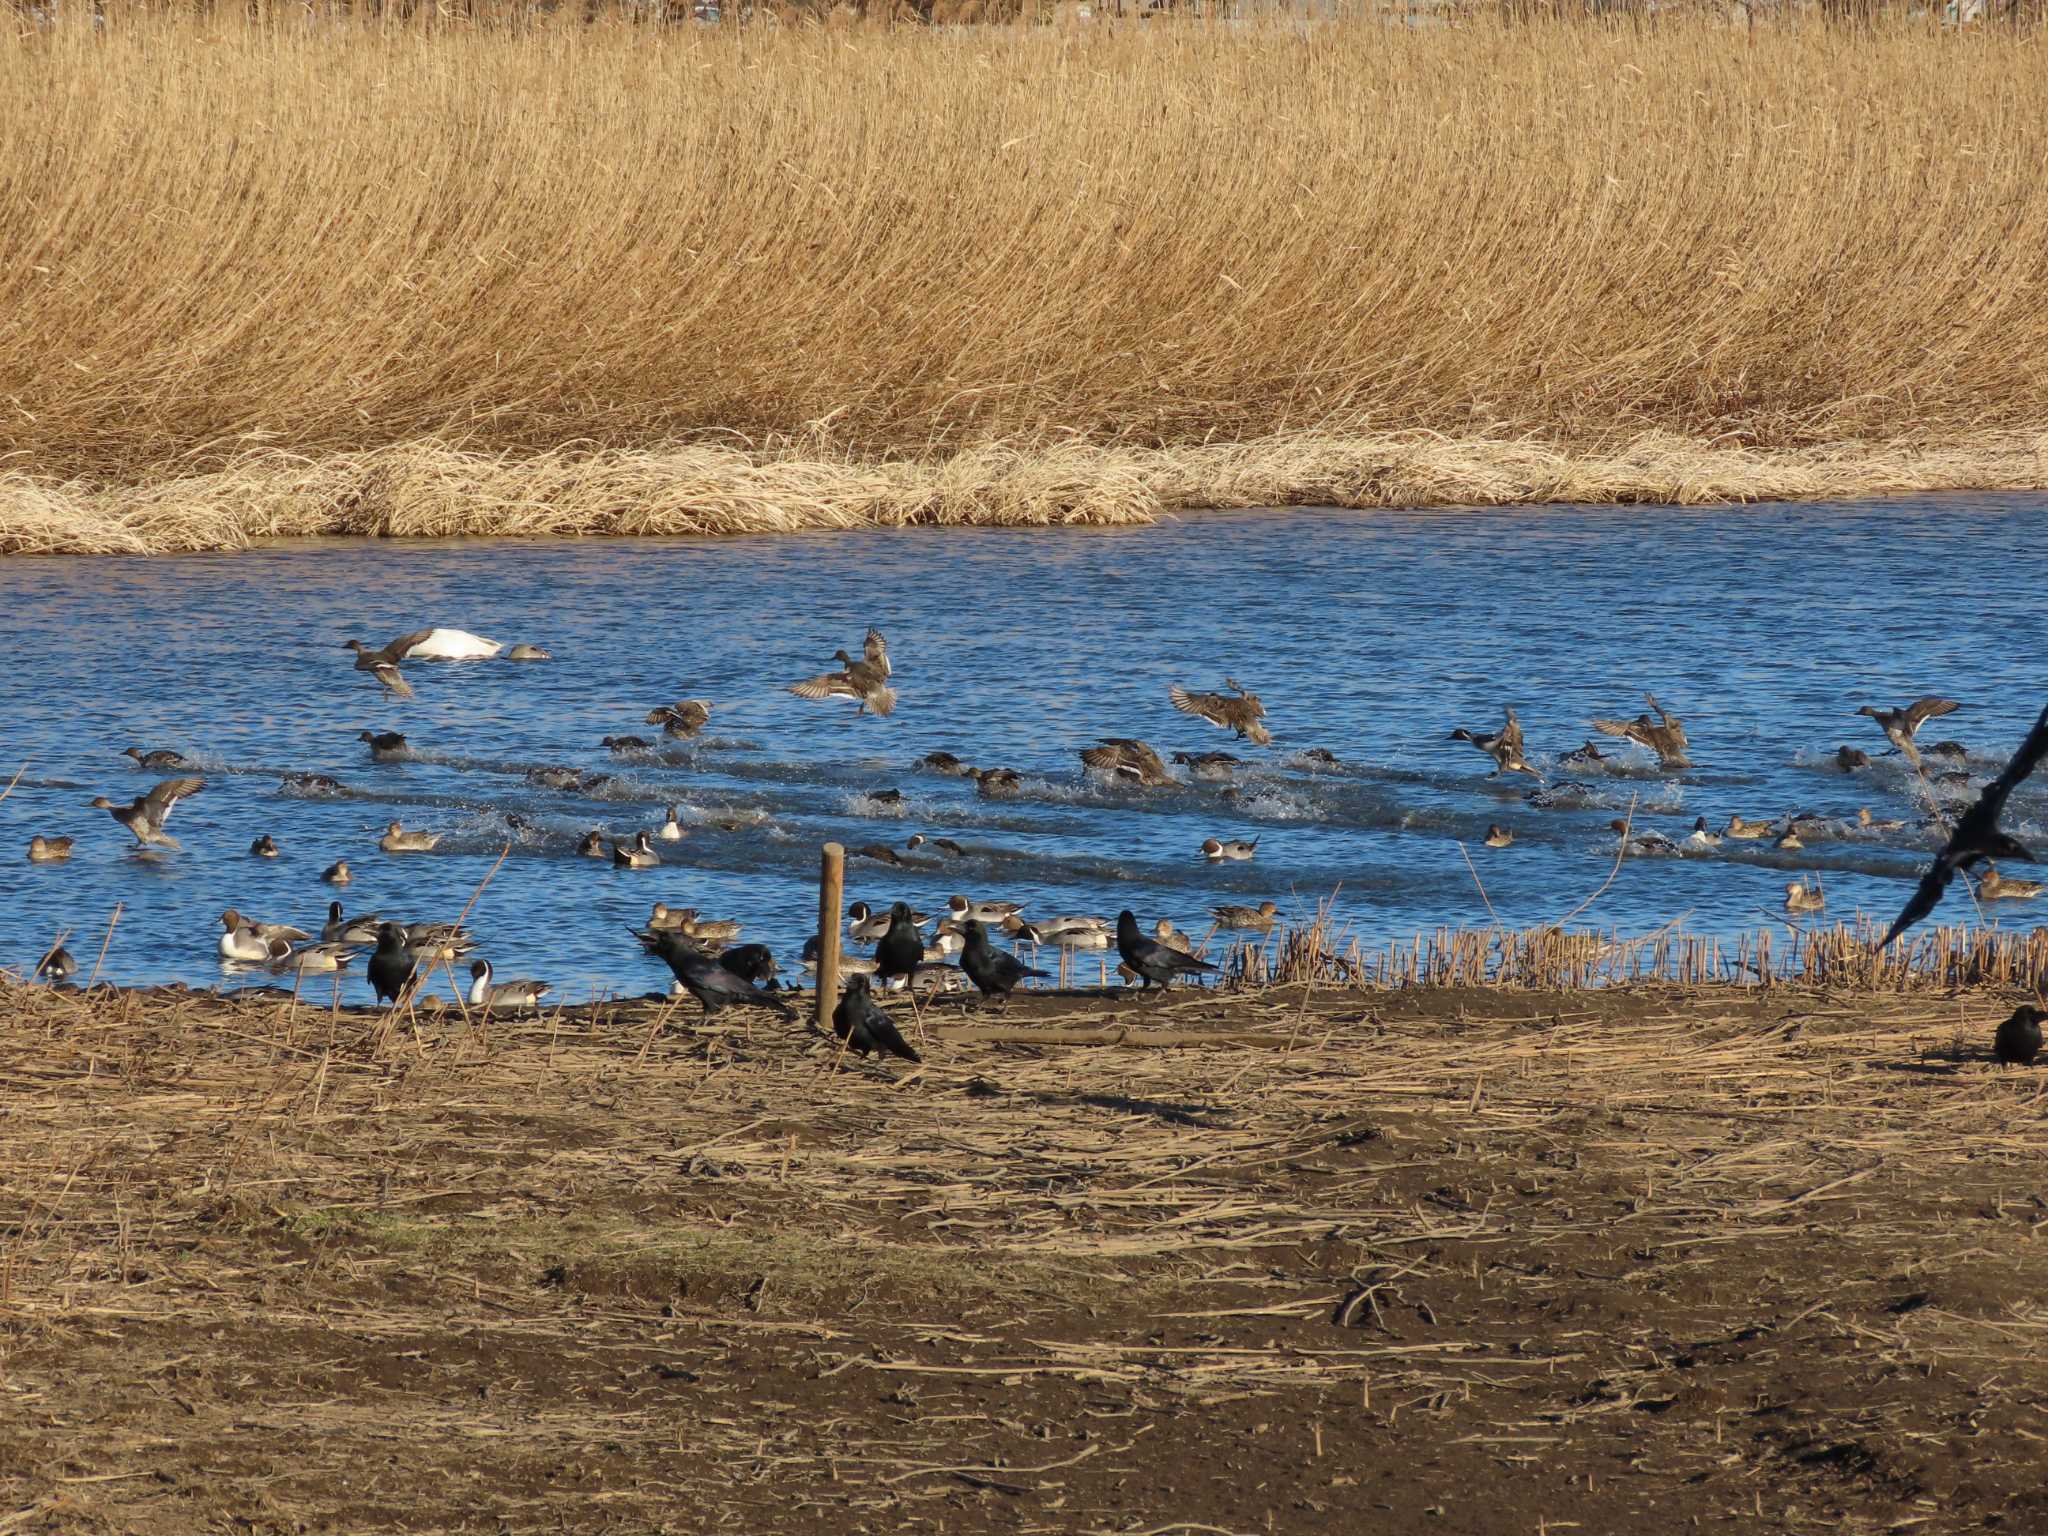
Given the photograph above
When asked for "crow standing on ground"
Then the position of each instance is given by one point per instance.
(1977, 836)
(1150, 959)
(392, 966)
(994, 972)
(901, 950)
(864, 1026)
(703, 977)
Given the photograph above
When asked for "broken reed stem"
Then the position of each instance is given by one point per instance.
(101, 959)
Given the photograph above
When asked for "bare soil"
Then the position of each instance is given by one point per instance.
(1435, 1260)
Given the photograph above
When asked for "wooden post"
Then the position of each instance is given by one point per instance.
(831, 890)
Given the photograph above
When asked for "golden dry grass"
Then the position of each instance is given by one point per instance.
(305, 276)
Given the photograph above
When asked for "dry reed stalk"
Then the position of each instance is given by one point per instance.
(275, 276)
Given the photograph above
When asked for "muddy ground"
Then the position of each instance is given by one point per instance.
(1437, 1260)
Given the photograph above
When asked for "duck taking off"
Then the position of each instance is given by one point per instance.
(866, 680)
(161, 760)
(381, 667)
(1901, 725)
(1504, 746)
(1124, 757)
(1242, 713)
(1664, 735)
(682, 719)
(146, 817)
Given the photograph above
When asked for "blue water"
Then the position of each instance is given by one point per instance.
(1368, 634)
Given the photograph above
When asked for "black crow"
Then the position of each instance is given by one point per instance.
(994, 972)
(1150, 959)
(860, 1021)
(704, 978)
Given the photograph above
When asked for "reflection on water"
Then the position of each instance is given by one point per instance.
(1368, 634)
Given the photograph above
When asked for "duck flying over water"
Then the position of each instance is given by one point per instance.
(1664, 735)
(146, 817)
(997, 783)
(1849, 759)
(866, 680)
(682, 719)
(1978, 837)
(161, 760)
(1504, 746)
(1901, 725)
(381, 667)
(1124, 757)
(1242, 713)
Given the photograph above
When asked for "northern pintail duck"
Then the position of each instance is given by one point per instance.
(255, 943)
(2018, 1040)
(997, 783)
(1641, 843)
(710, 930)
(385, 746)
(441, 645)
(1869, 823)
(943, 844)
(1125, 757)
(381, 667)
(944, 762)
(437, 941)
(553, 778)
(56, 967)
(876, 851)
(1319, 757)
(160, 761)
(1801, 897)
(525, 650)
(1992, 886)
(671, 830)
(1579, 756)
(508, 996)
(1243, 713)
(1788, 839)
(1849, 759)
(1259, 919)
(961, 909)
(1664, 735)
(866, 680)
(311, 783)
(1901, 725)
(849, 965)
(322, 958)
(638, 854)
(1946, 748)
(48, 850)
(591, 845)
(865, 1026)
(665, 918)
(397, 840)
(1216, 849)
(1209, 767)
(1700, 837)
(146, 817)
(342, 929)
(1749, 831)
(1504, 746)
(864, 925)
(1154, 963)
(682, 719)
(337, 873)
(1499, 837)
(265, 847)
(625, 746)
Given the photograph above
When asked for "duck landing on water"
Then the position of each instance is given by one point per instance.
(1664, 735)
(1504, 746)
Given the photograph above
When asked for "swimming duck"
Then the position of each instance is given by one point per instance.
(552, 778)
(56, 967)
(866, 680)
(1208, 767)
(591, 845)
(961, 909)
(1849, 759)
(944, 762)
(311, 783)
(1901, 725)
(1700, 837)
(1800, 897)
(1869, 823)
(997, 783)
(2018, 1040)
(1642, 843)
(1504, 746)
(381, 667)
(624, 746)
(1749, 831)
(1499, 837)
(1216, 850)
(1946, 748)
(1123, 757)
(508, 996)
(265, 847)
(943, 844)
(877, 852)
(48, 850)
(527, 651)
(146, 817)
(638, 854)
(1788, 839)
(1992, 886)
(1243, 714)
(385, 746)
(1564, 793)
(1579, 756)
(159, 761)
(709, 930)
(436, 941)
(671, 830)
(324, 958)
(341, 929)
(1259, 919)
(397, 840)
(337, 873)
(254, 943)
(1664, 735)
(683, 719)
(1318, 757)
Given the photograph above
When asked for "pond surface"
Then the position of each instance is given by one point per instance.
(1369, 635)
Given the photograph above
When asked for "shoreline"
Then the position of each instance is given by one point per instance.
(431, 490)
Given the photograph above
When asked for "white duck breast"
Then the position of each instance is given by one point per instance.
(444, 645)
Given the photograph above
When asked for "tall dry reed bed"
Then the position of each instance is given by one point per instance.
(304, 275)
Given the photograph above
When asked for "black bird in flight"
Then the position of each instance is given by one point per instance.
(1978, 836)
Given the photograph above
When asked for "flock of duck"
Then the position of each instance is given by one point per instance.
(960, 951)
